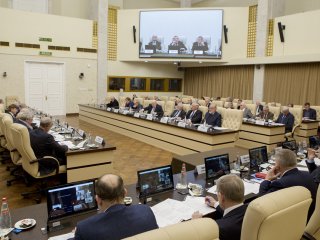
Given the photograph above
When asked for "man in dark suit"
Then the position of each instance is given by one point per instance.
(154, 108)
(176, 44)
(286, 118)
(194, 115)
(266, 115)
(314, 170)
(113, 103)
(179, 112)
(212, 117)
(259, 108)
(200, 45)
(229, 208)
(154, 43)
(285, 174)
(43, 143)
(309, 113)
(25, 118)
(115, 220)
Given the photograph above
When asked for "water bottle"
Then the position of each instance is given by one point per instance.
(5, 218)
(304, 145)
(300, 147)
(237, 163)
(183, 180)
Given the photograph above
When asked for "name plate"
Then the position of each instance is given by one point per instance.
(259, 122)
(81, 132)
(203, 128)
(173, 51)
(164, 120)
(137, 115)
(149, 116)
(108, 109)
(99, 140)
(116, 110)
(245, 159)
(198, 52)
(181, 124)
(200, 169)
(148, 50)
(125, 112)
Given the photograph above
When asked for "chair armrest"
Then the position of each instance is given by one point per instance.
(307, 236)
(46, 159)
(14, 150)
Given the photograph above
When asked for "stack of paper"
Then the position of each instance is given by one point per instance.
(249, 187)
(171, 211)
(67, 143)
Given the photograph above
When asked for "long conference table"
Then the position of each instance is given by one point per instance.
(168, 136)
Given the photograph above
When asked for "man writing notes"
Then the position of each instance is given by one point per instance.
(212, 117)
(230, 208)
(154, 108)
(194, 115)
(179, 112)
(115, 220)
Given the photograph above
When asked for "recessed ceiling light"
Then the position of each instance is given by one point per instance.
(175, 63)
(146, 61)
(200, 62)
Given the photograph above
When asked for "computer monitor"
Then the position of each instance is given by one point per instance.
(291, 145)
(71, 199)
(217, 166)
(314, 142)
(258, 156)
(155, 180)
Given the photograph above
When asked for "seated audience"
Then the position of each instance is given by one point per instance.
(229, 105)
(239, 103)
(266, 115)
(309, 113)
(13, 110)
(179, 112)
(194, 115)
(229, 208)
(189, 101)
(25, 117)
(134, 96)
(207, 102)
(259, 108)
(177, 101)
(212, 117)
(286, 174)
(128, 103)
(246, 111)
(290, 105)
(115, 220)
(156, 98)
(43, 143)
(136, 105)
(313, 168)
(200, 45)
(286, 118)
(113, 103)
(154, 108)
(218, 98)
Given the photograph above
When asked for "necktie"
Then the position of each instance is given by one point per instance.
(191, 115)
(177, 113)
(283, 118)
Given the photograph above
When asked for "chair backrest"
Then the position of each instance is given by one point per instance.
(15, 155)
(186, 107)
(185, 100)
(317, 108)
(297, 106)
(1, 123)
(278, 215)
(223, 99)
(122, 101)
(141, 100)
(163, 98)
(162, 104)
(232, 119)
(200, 229)
(108, 99)
(313, 227)
(12, 100)
(172, 98)
(221, 110)
(2, 108)
(169, 108)
(252, 108)
(275, 111)
(297, 113)
(202, 102)
(204, 110)
(218, 103)
(146, 103)
(248, 101)
(21, 139)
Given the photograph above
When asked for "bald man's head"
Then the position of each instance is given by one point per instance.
(110, 188)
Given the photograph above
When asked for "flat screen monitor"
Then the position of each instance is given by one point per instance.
(291, 145)
(181, 33)
(70, 199)
(314, 142)
(217, 166)
(155, 180)
(258, 156)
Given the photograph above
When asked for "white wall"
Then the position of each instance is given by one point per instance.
(236, 20)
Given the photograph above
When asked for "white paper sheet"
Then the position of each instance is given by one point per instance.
(62, 237)
(249, 187)
(67, 143)
(220, 128)
(198, 204)
(304, 164)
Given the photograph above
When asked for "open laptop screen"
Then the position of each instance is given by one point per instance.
(217, 166)
(71, 199)
(258, 156)
(155, 180)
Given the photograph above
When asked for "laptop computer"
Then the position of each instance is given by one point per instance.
(68, 200)
(155, 180)
(258, 156)
(291, 145)
(216, 166)
(314, 142)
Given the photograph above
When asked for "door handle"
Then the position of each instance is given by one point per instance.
(46, 98)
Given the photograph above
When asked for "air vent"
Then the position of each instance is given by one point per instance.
(6, 44)
(28, 45)
(89, 50)
(59, 48)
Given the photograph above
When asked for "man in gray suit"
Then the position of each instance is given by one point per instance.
(246, 111)
(266, 114)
